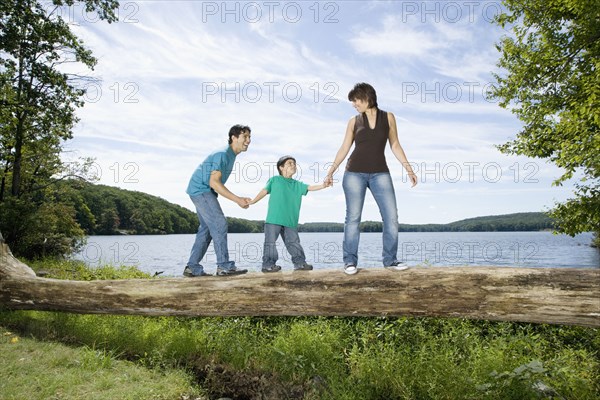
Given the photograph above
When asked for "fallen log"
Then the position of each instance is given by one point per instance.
(541, 295)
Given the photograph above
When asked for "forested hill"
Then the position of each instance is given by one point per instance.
(107, 210)
(530, 221)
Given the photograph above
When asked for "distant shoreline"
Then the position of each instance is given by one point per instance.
(518, 222)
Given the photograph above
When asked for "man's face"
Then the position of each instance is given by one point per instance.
(241, 142)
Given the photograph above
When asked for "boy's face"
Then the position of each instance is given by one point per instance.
(288, 169)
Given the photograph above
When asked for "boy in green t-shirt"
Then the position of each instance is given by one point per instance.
(283, 214)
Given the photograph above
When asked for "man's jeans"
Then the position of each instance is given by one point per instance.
(213, 226)
(290, 239)
(355, 185)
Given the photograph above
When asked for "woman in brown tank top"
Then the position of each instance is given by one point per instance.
(366, 168)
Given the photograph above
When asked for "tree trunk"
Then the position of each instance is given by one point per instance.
(542, 295)
(16, 177)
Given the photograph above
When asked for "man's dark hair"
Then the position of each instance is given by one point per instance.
(236, 130)
(363, 91)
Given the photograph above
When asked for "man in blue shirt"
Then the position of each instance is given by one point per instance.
(206, 183)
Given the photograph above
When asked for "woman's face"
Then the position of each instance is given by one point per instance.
(360, 105)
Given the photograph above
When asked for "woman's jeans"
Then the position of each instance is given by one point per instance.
(213, 226)
(290, 239)
(380, 184)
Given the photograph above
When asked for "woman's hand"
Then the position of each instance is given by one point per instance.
(413, 178)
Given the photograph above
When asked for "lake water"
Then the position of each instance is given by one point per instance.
(169, 253)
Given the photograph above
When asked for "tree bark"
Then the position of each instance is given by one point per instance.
(541, 295)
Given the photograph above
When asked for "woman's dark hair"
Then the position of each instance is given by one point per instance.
(363, 91)
(236, 130)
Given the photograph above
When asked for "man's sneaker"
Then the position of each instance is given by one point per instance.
(303, 267)
(272, 268)
(350, 269)
(396, 266)
(187, 272)
(230, 272)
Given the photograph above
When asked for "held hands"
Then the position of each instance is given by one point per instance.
(326, 183)
(244, 202)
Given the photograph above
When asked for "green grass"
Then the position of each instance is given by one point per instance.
(32, 369)
(331, 358)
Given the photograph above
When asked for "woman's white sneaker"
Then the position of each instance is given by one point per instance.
(396, 266)
(350, 269)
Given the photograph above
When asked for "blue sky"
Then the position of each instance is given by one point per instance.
(174, 76)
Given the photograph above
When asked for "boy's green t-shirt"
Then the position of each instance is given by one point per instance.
(285, 198)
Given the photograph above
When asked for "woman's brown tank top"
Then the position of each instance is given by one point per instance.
(369, 144)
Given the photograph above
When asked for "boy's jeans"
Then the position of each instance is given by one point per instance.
(213, 226)
(355, 185)
(290, 239)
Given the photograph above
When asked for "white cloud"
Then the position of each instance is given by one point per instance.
(395, 39)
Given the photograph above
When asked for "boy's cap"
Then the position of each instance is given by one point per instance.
(283, 159)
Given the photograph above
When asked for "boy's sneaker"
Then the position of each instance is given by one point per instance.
(303, 267)
(396, 266)
(272, 268)
(350, 269)
(187, 272)
(230, 272)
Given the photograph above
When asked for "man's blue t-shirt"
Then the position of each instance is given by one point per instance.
(221, 160)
